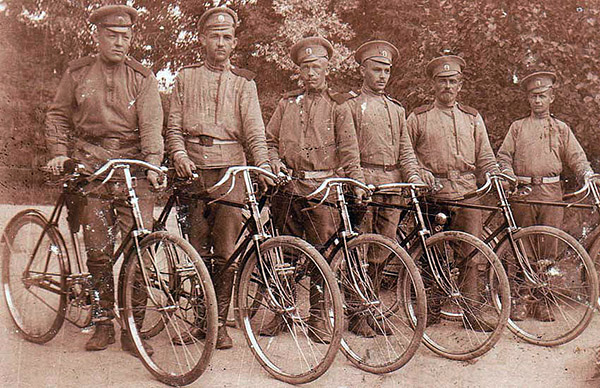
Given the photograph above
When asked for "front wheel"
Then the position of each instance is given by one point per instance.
(380, 338)
(290, 309)
(170, 303)
(34, 276)
(464, 278)
(553, 281)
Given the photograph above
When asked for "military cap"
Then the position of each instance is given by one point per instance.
(218, 18)
(310, 49)
(538, 82)
(119, 18)
(378, 51)
(445, 66)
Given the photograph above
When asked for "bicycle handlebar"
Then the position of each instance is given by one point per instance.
(584, 189)
(399, 185)
(487, 186)
(327, 183)
(231, 173)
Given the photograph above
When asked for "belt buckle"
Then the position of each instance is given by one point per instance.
(205, 140)
(453, 174)
(387, 168)
(536, 180)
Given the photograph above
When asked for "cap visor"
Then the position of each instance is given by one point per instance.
(540, 89)
(117, 29)
(447, 73)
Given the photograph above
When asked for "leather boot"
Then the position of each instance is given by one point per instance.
(104, 335)
(273, 327)
(189, 337)
(471, 310)
(359, 326)
(542, 312)
(223, 288)
(128, 346)
(318, 329)
(518, 309)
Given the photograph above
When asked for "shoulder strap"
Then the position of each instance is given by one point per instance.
(339, 98)
(468, 109)
(81, 62)
(422, 109)
(135, 65)
(249, 75)
(199, 64)
(392, 99)
(293, 93)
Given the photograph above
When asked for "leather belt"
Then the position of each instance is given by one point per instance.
(208, 141)
(453, 174)
(111, 143)
(538, 180)
(384, 167)
(319, 174)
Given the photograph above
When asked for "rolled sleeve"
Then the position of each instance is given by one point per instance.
(253, 125)
(406, 156)
(150, 121)
(59, 117)
(272, 133)
(347, 143)
(507, 151)
(174, 138)
(486, 161)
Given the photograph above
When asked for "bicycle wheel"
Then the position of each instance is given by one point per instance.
(463, 276)
(33, 276)
(290, 309)
(380, 337)
(176, 290)
(594, 251)
(554, 276)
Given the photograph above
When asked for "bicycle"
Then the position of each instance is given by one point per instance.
(163, 284)
(355, 259)
(478, 315)
(546, 267)
(279, 277)
(589, 238)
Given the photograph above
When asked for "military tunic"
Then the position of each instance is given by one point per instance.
(311, 132)
(386, 153)
(213, 114)
(111, 111)
(452, 143)
(537, 148)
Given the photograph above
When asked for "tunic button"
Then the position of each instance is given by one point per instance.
(205, 156)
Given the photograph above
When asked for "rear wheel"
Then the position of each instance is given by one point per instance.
(557, 284)
(169, 305)
(33, 276)
(290, 309)
(380, 338)
(464, 278)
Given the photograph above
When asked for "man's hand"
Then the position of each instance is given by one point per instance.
(415, 180)
(428, 178)
(278, 167)
(361, 195)
(264, 181)
(57, 164)
(158, 181)
(509, 186)
(183, 165)
(588, 176)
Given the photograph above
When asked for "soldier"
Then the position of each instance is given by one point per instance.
(215, 113)
(452, 146)
(311, 136)
(110, 103)
(386, 153)
(535, 150)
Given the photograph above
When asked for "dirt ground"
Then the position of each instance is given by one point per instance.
(64, 363)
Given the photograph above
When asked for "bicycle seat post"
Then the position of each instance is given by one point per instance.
(134, 201)
(253, 204)
(343, 206)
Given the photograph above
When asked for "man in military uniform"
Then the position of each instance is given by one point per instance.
(110, 103)
(452, 146)
(214, 113)
(535, 149)
(386, 152)
(311, 136)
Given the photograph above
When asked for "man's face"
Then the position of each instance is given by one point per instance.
(113, 46)
(313, 73)
(447, 88)
(540, 102)
(218, 44)
(375, 75)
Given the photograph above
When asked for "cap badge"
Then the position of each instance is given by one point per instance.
(384, 53)
(538, 83)
(446, 67)
(221, 18)
(308, 51)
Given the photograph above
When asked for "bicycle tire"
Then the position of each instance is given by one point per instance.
(370, 306)
(177, 287)
(36, 298)
(482, 315)
(296, 272)
(594, 252)
(565, 283)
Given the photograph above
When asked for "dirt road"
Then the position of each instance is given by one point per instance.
(63, 363)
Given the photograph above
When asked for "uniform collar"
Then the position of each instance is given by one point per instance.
(218, 69)
(367, 91)
(314, 92)
(536, 117)
(440, 106)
